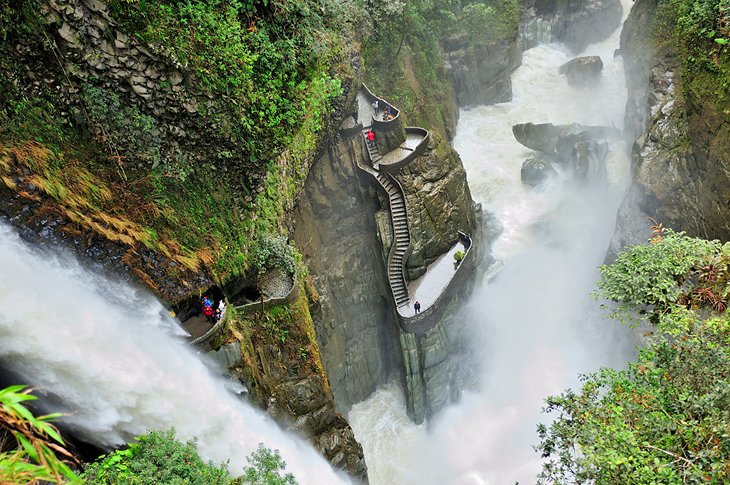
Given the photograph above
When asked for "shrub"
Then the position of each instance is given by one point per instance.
(37, 441)
(265, 467)
(271, 252)
(156, 457)
(666, 418)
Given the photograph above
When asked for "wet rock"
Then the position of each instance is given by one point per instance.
(481, 74)
(578, 148)
(582, 71)
(576, 23)
(536, 170)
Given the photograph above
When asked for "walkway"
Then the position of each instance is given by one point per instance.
(434, 281)
(407, 148)
(414, 144)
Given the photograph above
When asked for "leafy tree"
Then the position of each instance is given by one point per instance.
(269, 252)
(673, 270)
(38, 443)
(156, 457)
(666, 419)
(265, 467)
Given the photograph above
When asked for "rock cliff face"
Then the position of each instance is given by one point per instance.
(575, 23)
(336, 233)
(438, 201)
(680, 153)
(78, 45)
(481, 74)
(343, 231)
(285, 377)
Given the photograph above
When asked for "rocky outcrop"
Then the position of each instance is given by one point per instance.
(439, 203)
(284, 375)
(336, 233)
(575, 23)
(680, 153)
(39, 222)
(537, 168)
(481, 74)
(344, 233)
(582, 71)
(579, 149)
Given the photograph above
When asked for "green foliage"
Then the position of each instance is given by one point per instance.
(673, 269)
(261, 57)
(270, 252)
(491, 22)
(38, 443)
(666, 419)
(265, 467)
(403, 54)
(156, 457)
(700, 30)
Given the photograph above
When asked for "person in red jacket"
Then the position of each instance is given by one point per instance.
(208, 313)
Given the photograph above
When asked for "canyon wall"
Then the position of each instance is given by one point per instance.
(680, 136)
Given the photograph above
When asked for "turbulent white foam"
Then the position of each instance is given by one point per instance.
(538, 326)
(105, 351)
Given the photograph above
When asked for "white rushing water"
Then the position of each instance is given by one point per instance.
(108, 353)
(539, 328)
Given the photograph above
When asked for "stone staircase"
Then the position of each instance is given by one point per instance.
(402, 239)
(372, 147)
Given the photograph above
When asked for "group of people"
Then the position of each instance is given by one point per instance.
(211, 314)
(387, 115)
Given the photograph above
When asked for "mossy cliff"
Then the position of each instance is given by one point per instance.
(678, 116)
(165, 141)
(275, 354)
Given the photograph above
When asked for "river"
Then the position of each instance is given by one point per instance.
(538, 327)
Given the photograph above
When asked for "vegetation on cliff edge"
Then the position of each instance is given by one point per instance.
(274, 66)
(666, 419)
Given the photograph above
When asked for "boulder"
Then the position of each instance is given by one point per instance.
(536, 169)
(559, 139)
(581, 149)
(582, 71)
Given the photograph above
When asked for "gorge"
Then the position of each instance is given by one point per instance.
(142, 161)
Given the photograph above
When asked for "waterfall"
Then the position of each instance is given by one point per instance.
(538, 328)
(111, 357)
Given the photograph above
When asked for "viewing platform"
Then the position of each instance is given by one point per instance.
(390, 148)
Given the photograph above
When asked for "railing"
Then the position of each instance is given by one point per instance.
(424, 321)
(270, 302)
(386, 125)
(393, 248)
(213, 330)
(418, 151)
